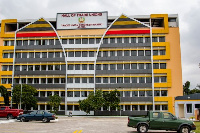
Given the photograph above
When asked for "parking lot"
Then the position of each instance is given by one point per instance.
(70, 125)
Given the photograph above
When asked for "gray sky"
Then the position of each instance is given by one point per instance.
(188, 11)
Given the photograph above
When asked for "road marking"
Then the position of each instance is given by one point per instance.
(77, 131)
(7, 121)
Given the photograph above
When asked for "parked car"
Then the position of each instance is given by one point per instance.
(160, 121)
(7, 111)
(39, 115)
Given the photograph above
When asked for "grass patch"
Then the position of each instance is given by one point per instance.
(197, 123)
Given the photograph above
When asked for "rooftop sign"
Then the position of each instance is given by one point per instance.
(82, 20)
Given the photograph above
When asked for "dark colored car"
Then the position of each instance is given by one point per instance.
(39, 115)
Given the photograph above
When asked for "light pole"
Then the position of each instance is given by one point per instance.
(21, 95)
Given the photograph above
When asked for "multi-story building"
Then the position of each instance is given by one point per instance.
(77, 53)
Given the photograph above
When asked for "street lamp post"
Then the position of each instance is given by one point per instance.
(20, 94)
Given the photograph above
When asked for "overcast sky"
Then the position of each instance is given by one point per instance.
(188, 11)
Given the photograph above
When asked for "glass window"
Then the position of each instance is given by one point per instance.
(43, 67)
(119, 40)
(9, 80)
(127, 93)
(135, 107)
(19, 43)
(164, 107)
(64, 41)
(105, 66)
(91, 40)
(105, 41)
(10, 68)
(63, 67)
(69, 80)
(140, 39)
(91, 67)
(148, 80)
(126, 40)
(51, 42)
(5, 55)
(70, 67)
(149, 93)
(77, 80)
(141, 79)
(76, 107)
(49, 80)
(140, 52)
(149, 107)
(85, 41)
(156, 93)
(148, 65)
(3, 80)
(99, 54)
(84, 67)
(147, 52)
(30, 80)
(157, 107)
(162, 52)
(141, 93)
(98, 66)
(91, 80)
(154, 39)
(163, 93)
(119, 66)
(11, 55)
(71, 54)
(44, 55)
(126, 53)
(98, 80)
(155, 66)
(24, 68)
(11, 43)
(126, 66)
(91, 53)
(4, 68)
(31, 55)
(156, 79)
(112, 66)
(133, 66)
(162, 39)
(112, 53)
(57, 42)
(62, 80)
(57, 54)
(141, 65)
(155, 52)
(133, 53)
(119, 53)
(69, 93)
(162, 65)
(6, 43)
(134, 79)
(112, 80)
(84, 54)
(83, 93)
(17, 68)
(98, 40)
(37, 55)
(77, 67)
(62, 94)
(30, 67)
(112, 40)
(71, 41)
(77, 41)
(57, 67)
(38, 42)
(133, 39)
(84, 80)
(163, 79)
(25, 43)
(50, 67)
(18, 55)
(56, 80)
(43, 80)
(76, 93)
(78, 54)
(119, 80)
(142, 107)
(127, 80)
(23, 80)
(134, 93)
(51, 55)
(105, 80)
(105, 53)
(36, 80)
(70, 107)
(147, 39)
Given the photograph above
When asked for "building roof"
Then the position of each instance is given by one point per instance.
(195, 96)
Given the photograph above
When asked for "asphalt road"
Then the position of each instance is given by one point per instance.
(71, 125)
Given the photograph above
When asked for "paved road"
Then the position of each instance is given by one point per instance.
(70, 125)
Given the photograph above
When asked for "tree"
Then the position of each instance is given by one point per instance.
(186, 87)
(28, 99)
(5, 95)
(194, 91)
(54, 103)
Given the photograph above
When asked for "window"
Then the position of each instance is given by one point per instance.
(56, 80)
(36, 80)
(57, 42)
(162, 52)
(57, 54)
(98, 40)
(162, 65)
(30, 68)
(156, 79)
(135, 107)
(23, 81)
(76, 93)
(84, 53)
(112, 53)
(50, 67)
(84, 67)
(78, 54)
(164, 107)
(50, 80)
(147, 39)
(69, 93)
(161, 39)
(91, 40)
(126, 66)
(126, 53)
(83, 93)
(126, 40)
(71, 41)
(63, 67)
(11, 55)
(148, 80)
(149, 107)
(147, 52)
(142, 107)
(163, 93)
(25, 42)
(19, 43)
(127, 93)
(10, 68)
(91, 80)
(140, 39)
(17, 68)
(112, 66)
(119, 53)
(57, 67)
(50, 55)
(134, 93)
(91, 53)
(64, 41)
(84, 80)
(62, 80)
(11, 43)
(105, 80)
(127, 107)
(133, 39)
(5, 55)
(3, 80)
(51, 42)
(44, 55)
(157, 107)
(141, 79)
(119, 40)
(133, 66)
(43, 80)
(149, 93)
(98, 80)
(141, 66)
(154, 39)
(119, 66)
(31, 55)
(105, 41)
(4, 68)
(38, 42)
(37, 55)
(155, 52)
(85, 41)
(163, 79)
(69, 80)
(155, 66)
(140, 52)
(77, 67)
(24, 68)
(6, 43)
(134, 79)
(43, 67)
(112, 80)
(70, 67)
(112, 40)
(31, 42)
(18, 55)
(105, 66)
(126, 80)
(77, 80)
(91, 67)
(156, 93)
(105, 53)
(141, 93)
(99, 54)
(71, 54)
(77, 41)
(98, 67)
(76, 108)
(119, 80)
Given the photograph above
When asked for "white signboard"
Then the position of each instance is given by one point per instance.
(82, 20)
